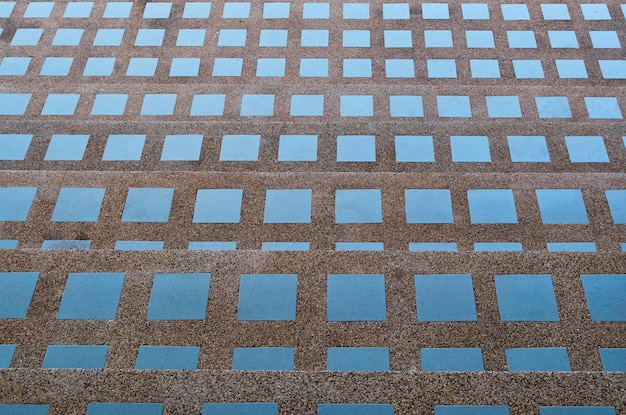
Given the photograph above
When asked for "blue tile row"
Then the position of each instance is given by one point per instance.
(314, 68)
(271, 408)
(294, 206)
(282, 10)
(350, 297)
(342, 359)
(263, 105)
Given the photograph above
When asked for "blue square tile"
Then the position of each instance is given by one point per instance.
(356, 39)
(285, 246)
(356, 11)
(288, 206)
(603, 108)
(491, 206)
(606, 296)
(526, 298)
(66, 147)
(124, 147)
(270, 67)
(438, 38)
(74, 244)
(78, 10)
(273, 38)
(480, 39)
(264, 297)
(91, 296)
(471, 410)
(218, 206)
(212, 246)
(207, 105)
(276, 10)
(354, 409)
(414, 149)
(515, 12)
(586, 149)
(428, 206)
(157, 10)
(359, 246)
(441, 68)
(313, 68)
(485, 68)
(56, 66)
(138, 245)
(399, 68)
(470, 149)
(8, 243)
(67, 37)
(528, 149)
(149, 37)
(356, 106)
(454, 106)
(435, 11)
(158, 104)
(26, 37)
(6, 355)
(182, 147)
(257, 105)
(358, 206)
(521, 39)
(475, 11)
(357, 68)
(109, 104)
(406, 106)
(445, 297)
(185, 67)
(73, 356)
(503, 107)
(16, 292)
(307, 106)
(78, 204)
(108, 37)
(167, 358)
(561, 206)
(433, 247)
(14, 66)
(15, 203)
(576, 410)
(357, 359)
(538, 359)
(297, 148)
(316, 10)
(263, 358)
(236, 10)
(142, 66)
(452, 360)
(563, 39)
(197, 10)
(356, 148)
(232, 37)
(23, 409)
(498, 247)
(571, 247)
(611, 69)
(114, 408)
(191, 37)
(555, 12)
(227, 67)
(179, 297)
(14, 146)
(240, 408)
(99, 67)
(553, 107)
(613, 360)
(356, 297)
(314, 38)
(39, 10)
(595, 12)
(604, 39)
(117, 10)
(528, 69)
(6, 8)
(398, 39)
(396, 11)
(148, 205)
(571, 68)
(240, 148)
(617, 205)
(60, 104)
